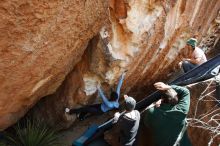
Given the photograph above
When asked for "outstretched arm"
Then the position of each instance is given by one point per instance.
(105, 100)
(120, 84)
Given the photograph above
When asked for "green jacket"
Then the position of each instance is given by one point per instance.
(167, 121)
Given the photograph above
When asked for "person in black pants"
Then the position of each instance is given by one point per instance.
(97, 109)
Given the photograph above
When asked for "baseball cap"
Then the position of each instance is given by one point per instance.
(192, 42)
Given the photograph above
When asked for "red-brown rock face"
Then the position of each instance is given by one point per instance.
(42, 42)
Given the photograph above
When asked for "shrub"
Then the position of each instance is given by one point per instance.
(32, 133)
(2, 143)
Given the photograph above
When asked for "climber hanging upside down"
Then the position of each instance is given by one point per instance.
(98, 109)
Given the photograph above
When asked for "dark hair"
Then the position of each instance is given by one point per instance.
(113, 96)
(170, 96)
(172, 101)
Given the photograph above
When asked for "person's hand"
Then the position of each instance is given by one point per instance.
(161, 86)
(116, 117)
(67, 110)
(180, 64)
(125, 96)
(158, 103)
(150, 106)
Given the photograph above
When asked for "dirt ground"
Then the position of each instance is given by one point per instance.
(79, 127)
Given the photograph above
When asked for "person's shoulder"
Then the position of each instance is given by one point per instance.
(137, 112)
(178, 87)
(197, 49)
(173, 86)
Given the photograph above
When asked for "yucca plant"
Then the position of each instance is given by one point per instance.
(2, 143)
(33, 133)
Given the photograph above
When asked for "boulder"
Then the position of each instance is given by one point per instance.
(58, 51)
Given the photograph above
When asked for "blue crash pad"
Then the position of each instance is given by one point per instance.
(88, 133)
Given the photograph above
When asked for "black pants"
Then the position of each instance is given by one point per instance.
(94, 109)
(187, 66)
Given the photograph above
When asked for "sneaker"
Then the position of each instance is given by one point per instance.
(67, 110)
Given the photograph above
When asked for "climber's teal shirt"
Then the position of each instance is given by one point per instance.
(168, 120)
(109, 105)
